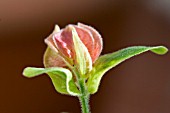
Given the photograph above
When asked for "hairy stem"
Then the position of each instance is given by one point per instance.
(84, 98)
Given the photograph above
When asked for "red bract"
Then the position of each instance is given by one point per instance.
(61, 41)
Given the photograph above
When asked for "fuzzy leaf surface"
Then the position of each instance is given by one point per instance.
(108, 61)
(61, 78)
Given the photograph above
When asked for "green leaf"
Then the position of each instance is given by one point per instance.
(108, 61)
(61, 78)
(83, 59)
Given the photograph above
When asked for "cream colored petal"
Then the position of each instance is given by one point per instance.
(53, 59)
(49, 40)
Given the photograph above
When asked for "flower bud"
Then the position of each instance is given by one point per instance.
(62, 44)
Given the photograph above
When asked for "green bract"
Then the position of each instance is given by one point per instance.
(108, 61)
(83, 60)
(61, 78)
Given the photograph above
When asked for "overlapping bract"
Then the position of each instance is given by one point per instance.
(62, 43)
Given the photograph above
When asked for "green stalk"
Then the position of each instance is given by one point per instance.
(84, 98)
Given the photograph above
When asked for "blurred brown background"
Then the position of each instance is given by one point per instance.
(139, 85)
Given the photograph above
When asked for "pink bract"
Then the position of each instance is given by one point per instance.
(62, 42)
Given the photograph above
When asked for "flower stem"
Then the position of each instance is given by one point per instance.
(84, 98)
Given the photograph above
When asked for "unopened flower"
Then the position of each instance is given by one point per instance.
(62, 46)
